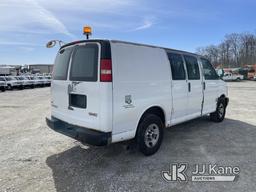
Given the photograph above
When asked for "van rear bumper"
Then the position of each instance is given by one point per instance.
(82, 134)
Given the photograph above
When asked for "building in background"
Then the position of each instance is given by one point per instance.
(40, 68)
(9, 70)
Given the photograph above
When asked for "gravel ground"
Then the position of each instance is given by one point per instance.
(35, 158)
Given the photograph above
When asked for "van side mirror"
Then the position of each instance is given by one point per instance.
(52, 43)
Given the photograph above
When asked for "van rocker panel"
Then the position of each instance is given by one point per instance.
(82, 134)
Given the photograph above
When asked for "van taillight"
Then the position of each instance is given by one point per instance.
(105, 70)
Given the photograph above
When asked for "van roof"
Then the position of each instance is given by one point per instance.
(141, 44)
(104, 41)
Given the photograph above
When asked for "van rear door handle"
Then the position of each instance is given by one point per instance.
(189, 86)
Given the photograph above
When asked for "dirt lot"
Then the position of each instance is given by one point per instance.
(35, 158)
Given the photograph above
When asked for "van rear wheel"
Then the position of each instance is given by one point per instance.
(150, 134)
(219, 114)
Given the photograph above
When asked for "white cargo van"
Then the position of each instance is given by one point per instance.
(107, 91)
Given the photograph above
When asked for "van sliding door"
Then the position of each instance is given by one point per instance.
(179, 88)
(194, 86)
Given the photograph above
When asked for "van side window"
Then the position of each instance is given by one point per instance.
(192, 67)
(177, 66)
(209, 71)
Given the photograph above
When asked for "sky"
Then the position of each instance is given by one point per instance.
(27, 25)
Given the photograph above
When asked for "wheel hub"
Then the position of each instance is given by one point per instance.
(221, 110)
(151, 135)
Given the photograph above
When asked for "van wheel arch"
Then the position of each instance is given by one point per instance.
(155, 110)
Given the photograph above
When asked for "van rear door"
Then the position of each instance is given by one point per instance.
(76, 92)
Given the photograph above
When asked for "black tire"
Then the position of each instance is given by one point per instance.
(150, 126)
(9, 87)
(238, 79)
(3, 89)
(219, 114)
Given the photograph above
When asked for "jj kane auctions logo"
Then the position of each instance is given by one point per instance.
(203, 173)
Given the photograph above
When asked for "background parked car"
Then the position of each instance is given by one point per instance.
(12, 83)
(3, 85)
(32, 82)
(35, 81)
(48, 79)
(25, 82)
(41, 81)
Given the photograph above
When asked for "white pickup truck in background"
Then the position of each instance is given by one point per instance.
(232, 77)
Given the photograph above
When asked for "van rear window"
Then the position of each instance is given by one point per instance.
(61, 64)
(85, 63)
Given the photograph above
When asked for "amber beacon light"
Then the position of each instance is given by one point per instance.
(87, 31)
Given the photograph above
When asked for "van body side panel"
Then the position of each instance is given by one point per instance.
(106, 112)
(141, 79)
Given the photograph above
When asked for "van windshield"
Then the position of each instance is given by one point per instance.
(84, 63)
(61, 64)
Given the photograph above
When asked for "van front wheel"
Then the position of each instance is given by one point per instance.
(219, 114)
(150, 134)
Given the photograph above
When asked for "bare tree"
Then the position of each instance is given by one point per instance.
(236, 50)
(235, 46)
(210, 52)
